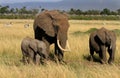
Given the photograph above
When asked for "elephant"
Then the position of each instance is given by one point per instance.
(52, 27)
(31, 48)
(99, 41)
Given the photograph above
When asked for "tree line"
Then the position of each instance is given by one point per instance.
(24, 13)
(23, 10)
(105, 11)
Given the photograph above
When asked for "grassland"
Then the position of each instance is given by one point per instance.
(77, 64)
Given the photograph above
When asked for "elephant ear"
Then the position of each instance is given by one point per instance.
(59, 23)
(101, 34)
(44, 23)
(56, 19)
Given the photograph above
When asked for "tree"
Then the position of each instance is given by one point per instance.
(78, 12)
(23, 10)
(72, 11)
(113, 13)
(35, 11)
(4, 10)
(118, 11)
(12, 10)
(16, 10)
(92, 12)
(105, 12)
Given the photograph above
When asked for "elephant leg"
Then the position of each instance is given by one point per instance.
(111, 54)
(24, 57)
(91, 54)
(111, 58)
(43, 60)
(102, 54)
(37, 59)
(43, 57)
(34, 56)
(47, 45)
(31, 56)
(46, 55)
(58, 53)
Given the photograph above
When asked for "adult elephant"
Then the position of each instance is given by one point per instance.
(52, 27)
(99, 41)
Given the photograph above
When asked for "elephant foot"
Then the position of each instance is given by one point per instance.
(62, 62)
(24, 60)
(91, 58)
(110, 62)
(56, 59)
(103, 62)
(43, 61)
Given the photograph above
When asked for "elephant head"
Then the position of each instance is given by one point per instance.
(60, 25)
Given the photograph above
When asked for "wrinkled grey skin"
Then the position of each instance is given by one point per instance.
(50, 26)
(99, 41)
(31, 48)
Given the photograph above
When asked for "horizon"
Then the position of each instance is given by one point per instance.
(64, 4)
(21, 1)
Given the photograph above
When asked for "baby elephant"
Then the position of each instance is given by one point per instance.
(31, 48)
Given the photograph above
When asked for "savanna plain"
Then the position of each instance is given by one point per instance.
(78, 64)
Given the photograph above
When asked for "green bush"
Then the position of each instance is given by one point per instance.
(117, 31)
(94, 17)
(86, 32)
(17, 16)
(91, 30)
(77, 33)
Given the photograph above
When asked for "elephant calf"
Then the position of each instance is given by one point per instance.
(99, 41)
(31, 48)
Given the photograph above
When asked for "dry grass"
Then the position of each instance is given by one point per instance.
(77, 64)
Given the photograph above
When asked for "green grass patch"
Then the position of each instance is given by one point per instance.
(117, 31)
(95, 17)
(90, 30)
(76, 33)
(86, 32)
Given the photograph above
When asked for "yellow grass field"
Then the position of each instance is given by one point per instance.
(77, 64)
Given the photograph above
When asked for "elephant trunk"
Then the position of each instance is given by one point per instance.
(67, 49)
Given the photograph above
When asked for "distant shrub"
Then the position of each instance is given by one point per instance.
(86, 32)
(117, 31)
(95, 17)
(19, 16)
(73, 17)
(91, 30)
(77, 33)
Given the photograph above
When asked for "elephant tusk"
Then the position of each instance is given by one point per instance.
(62, 48)
(110, 46)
